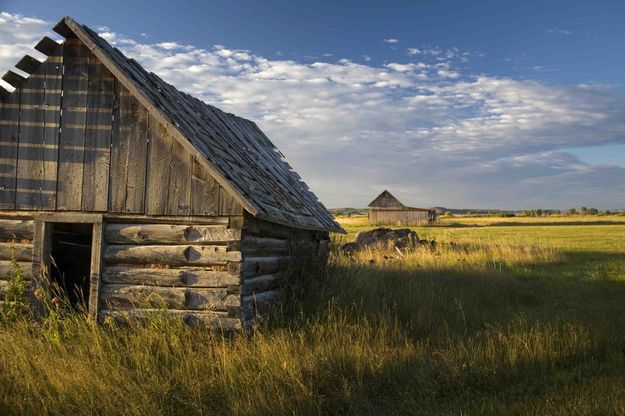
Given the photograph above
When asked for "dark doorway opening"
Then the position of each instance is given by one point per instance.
(70, 263)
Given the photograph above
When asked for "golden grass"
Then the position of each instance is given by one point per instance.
(491, 324)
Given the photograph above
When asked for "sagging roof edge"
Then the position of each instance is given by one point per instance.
(74, 27)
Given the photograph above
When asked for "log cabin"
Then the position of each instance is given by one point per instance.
(133, 196)
(386, 209)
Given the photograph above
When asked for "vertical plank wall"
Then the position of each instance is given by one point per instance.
(73, 138)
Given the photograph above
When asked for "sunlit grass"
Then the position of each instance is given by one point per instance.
(493, 320)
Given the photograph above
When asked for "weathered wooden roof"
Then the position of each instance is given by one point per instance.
(236, 152)
(387, 201)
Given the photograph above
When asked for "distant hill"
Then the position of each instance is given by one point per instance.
(439, 210)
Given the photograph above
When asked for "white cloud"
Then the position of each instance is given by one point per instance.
(435, 135)
(18, 35)
(559, 31)
(413, 51)
(391, 40)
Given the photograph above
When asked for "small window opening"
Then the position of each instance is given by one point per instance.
(70, 263)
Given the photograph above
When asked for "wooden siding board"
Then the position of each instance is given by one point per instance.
(32, 133)
(204, 191)
(170, 175)
(179, 196)
(135, 120)
(72, 138)
(38, 148)
(159, 157)
(117, 173)
(129, 153)
(9, 141)
(97, 141)
(53, 98)
(227, 204)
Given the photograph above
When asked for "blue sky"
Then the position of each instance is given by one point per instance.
(500, 104)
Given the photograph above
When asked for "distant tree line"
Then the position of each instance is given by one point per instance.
(569, 212)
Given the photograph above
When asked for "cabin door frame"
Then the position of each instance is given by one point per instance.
(43, 245)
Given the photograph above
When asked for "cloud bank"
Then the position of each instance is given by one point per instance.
(420, 127)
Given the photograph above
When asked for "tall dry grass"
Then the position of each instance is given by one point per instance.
(458, 328)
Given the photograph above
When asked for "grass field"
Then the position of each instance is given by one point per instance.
(505, 316)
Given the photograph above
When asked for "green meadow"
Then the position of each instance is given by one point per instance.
(503, 316)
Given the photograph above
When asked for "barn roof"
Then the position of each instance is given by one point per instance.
(387, 201)
(235, 151)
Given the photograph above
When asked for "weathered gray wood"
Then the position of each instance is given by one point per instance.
(168, 234)
(256, 227)
(32, 151)
(211, 299)
(135, 120)
(97, 140)
(28, 64)
(173, 219)
(9, 141)
(136, 296)
(15, 80)
(46, 46)
(63, 29)
(205, 191)
(124, 296)
(7, 269)
(266, 246)
(16, 229)
(159, 156)
(53, 68)
(260, 284)
(256, 266)
(259, 303)
(214, 320)
(176, 255)
(179, 197)
(169, 182)
(228, 205)
(96, 269)
(23, 252)
(128, 153)
(73, 123)
(168, 277)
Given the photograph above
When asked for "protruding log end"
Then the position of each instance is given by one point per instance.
(28, 64)
(63, 29)
(47, 46)
(14, 79)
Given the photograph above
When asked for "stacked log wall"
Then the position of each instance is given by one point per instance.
(274, 257)
(16, 239)
(190, 270)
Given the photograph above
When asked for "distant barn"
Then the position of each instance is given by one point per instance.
(131, 195)
(386, 209)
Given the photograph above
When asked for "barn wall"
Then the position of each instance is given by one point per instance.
(381, 216)
(274, 258)
(72, 138)
(192, 270)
